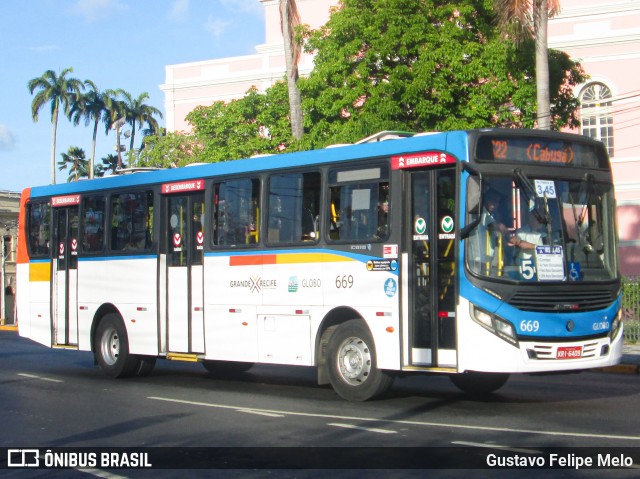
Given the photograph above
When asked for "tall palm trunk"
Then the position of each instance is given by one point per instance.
(540, 24)
(54, 120)
(289, 19)
(133, 134)
(92, 160)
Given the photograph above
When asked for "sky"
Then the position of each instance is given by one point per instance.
(114, 43)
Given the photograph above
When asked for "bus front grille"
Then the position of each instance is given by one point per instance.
(561, 301)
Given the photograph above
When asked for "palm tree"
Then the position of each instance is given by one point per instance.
(138, 112)
(57, 90)
(74, 160)
(532, 18)
(114, 118)
(109, 164)
(92, 107)
(289, 20)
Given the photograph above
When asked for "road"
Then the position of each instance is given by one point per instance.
(58, 398)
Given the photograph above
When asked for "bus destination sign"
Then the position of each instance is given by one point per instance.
(183, 186)
(421, 160)
(544, 151)
(67, 200)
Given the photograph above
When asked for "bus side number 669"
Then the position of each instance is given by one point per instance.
(529, 326)
(344, 281)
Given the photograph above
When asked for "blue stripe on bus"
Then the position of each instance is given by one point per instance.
(455, 142)
(118, 258)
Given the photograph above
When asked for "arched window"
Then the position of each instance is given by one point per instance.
(596, 114)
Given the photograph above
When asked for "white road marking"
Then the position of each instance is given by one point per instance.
(408, 422)
(102, 474)
(33, 376)
(260, 413)
(497, 446)
(360, 428)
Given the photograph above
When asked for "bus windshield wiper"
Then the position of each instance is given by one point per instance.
(543, 217)
(525, 185)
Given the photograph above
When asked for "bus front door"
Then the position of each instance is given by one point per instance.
(65, 276)
(431, 274)
(185, 288)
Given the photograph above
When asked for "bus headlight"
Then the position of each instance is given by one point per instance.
(498, 326)
(615, 325)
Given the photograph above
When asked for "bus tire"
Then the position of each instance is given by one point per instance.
(478, 384)
(111, 348)
(351, 359)
(226, 368)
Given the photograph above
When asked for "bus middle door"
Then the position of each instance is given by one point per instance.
(65, 276)
(185, 276)
(431, 251)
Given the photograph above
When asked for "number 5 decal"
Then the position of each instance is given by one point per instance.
(527, 269)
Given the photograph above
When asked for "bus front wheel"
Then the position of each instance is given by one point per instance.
(475, 383)
(352, 364)
(112, 348)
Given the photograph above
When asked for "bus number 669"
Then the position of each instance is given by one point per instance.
(344, 281)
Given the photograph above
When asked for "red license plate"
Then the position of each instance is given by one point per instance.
(569, 352)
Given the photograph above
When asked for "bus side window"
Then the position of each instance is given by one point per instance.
(294, 208)
(131, 221)
(236, 211)
(39, 228)
(92, 229)
(359, 212)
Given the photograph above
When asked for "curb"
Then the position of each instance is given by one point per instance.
(621, 369)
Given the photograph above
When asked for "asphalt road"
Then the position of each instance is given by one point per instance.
(59, 399)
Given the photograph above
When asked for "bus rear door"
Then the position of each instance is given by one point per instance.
(430, 296)
(185, 255)
(65, 271)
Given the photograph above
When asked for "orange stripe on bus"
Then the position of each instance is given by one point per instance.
(252, 260)
(21, 254)
(294, 258)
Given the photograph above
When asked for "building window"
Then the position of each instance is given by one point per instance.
(596, 114)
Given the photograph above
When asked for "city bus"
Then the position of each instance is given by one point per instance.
(397, 255)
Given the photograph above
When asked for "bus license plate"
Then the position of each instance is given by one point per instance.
(569, 352)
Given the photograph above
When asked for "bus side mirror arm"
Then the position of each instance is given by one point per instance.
(474, 200)
(467, 229)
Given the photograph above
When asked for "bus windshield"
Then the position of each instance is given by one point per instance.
(542, 230)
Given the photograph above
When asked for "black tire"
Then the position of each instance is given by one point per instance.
(226, 368)
(111, 348)
(351, 360)
(478, 384)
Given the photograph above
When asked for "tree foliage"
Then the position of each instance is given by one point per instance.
(169, 151)
(421, 65)
(257, 123)
(414, 65)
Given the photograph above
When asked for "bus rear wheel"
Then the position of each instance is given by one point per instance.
(478, 384)
(111, 348)
(351, 359)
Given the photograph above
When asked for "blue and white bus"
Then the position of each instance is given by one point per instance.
(366, 261)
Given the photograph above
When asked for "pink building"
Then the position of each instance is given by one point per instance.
(603, 36)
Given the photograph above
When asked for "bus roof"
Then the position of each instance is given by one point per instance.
(454, 142)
